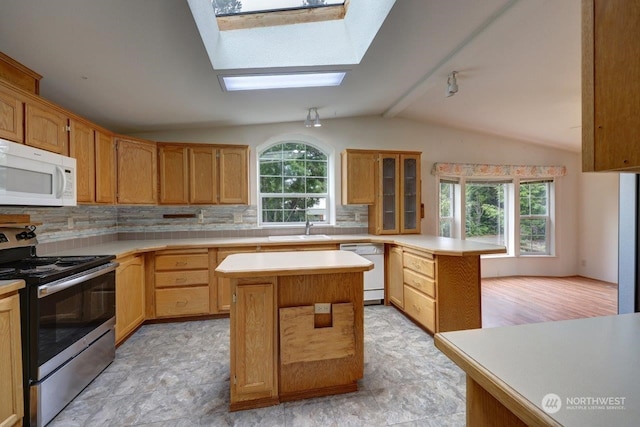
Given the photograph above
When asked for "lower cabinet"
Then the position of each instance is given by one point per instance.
(184, 285)
(11, 396)
(253, 343)
(395, 284)
(130, 296)
(439, 292)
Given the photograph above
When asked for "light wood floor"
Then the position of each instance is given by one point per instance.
(518, 300)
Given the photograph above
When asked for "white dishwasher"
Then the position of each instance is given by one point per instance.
(373, 279)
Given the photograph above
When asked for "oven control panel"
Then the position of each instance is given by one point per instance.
(17, 237)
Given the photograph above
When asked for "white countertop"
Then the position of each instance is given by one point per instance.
(431, 244)
(292, 263)
(587, 358)
(7, 286)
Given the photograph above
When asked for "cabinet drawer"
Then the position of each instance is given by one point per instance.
(421, 282)
(165, 279)
(181, 301)
(182, 262)
(419, 264)
(420, 307)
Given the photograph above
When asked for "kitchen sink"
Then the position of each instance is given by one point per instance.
(298, 238)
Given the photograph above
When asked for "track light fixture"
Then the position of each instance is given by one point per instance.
(452, 84)
(315, 122)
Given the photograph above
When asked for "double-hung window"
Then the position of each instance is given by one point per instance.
(535, 219)
(508, 205)
(293, 184)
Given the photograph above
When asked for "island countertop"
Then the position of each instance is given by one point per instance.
(590, 366)
(291, 263)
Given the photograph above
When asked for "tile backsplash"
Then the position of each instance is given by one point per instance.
(85, 225)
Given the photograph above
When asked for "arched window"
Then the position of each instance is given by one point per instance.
(293, 184)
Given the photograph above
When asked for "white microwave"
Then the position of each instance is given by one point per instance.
(33, 177)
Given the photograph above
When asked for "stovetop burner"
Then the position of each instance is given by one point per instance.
(39, 270)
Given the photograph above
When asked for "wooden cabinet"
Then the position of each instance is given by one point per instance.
(130, 296)
(11, 397)
(224, 283)
(396, 209)
(45, 127)
(253, 343)
(234, 171)
(105, 167)
(11, 115)
(358, 177)
(202, 174)
(137, 171)
(610, 85)
(95, 156)
(395, 284)
(184, 282)
(440, 292)
(82, 148)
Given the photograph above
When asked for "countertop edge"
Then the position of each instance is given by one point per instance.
(9, 286)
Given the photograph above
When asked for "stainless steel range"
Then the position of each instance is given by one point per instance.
(67, 319)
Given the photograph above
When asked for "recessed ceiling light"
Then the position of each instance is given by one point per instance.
(282, 81)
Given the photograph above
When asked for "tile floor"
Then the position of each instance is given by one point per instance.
(177, 374)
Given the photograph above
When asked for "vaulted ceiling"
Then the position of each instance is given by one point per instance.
(141, 65)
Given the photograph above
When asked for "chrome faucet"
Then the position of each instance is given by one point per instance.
(307, 227)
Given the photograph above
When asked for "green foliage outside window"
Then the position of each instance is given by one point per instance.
(293, 183)
(485, 211)
(534, 215)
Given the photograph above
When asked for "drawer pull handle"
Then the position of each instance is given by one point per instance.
(181, 279)
(181, 263)
(182, 303)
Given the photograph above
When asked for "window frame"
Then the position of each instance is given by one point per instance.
(328, 195)
(548, 217)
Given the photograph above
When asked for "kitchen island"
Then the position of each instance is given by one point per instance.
(297, 325)
(581, 372)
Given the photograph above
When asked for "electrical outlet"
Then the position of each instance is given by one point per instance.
(237, 218)
(322, 308)
(201, 217)
(357, 216)
(70, 223)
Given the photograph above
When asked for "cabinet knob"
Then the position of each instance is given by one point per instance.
(182, 303)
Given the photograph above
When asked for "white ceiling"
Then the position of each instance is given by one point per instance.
(140, 65)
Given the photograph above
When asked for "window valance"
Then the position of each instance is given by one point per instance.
(475, 169)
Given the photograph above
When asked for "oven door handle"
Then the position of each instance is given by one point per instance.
(46, 290)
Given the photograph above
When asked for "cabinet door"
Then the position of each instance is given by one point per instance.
(174, 186)
(137, 172)
(253, 343)
(395, 280)
(224, 283)
(105, 164)
(233, 176)
(610, 89)
(410, 193)
(45, 128)
(389, 173)
(203, 175)
(130, 308)
(11, 397)
(11, 116)
(81, 148)
(358, 177)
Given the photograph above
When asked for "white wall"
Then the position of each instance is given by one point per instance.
(438, 144)
(598, 226)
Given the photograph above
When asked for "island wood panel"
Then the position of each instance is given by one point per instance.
(323, 377)
(253, 344)
(458, 293)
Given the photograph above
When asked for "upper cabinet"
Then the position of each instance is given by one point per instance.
(45, 127)
(234, 171)
(95, 156)
(137, 171)
(11, 115)
(610, 88)
(203, 174)
(358, 177)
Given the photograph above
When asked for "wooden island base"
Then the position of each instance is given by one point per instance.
(297, 332)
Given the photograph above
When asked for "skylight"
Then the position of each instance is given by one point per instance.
(282, 81)
(238, 7)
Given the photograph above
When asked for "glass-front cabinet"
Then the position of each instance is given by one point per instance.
(396, 209)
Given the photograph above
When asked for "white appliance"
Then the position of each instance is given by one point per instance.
(30, 176)
(373, 279)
